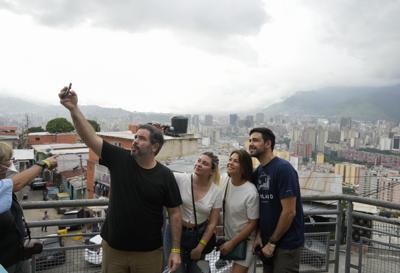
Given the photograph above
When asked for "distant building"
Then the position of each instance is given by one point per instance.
(208, 120)
(260, 117)
(396, 143)
(49, 138)
(389, 189)
(334, 136)
(8, 134)
(351, 173)
(233, 120)
(310, 137)
(322, 138)
(195, 121)
(320, 159)
(23, 158)
(345, 123)
(249, 121)
(368, 186)
(385, 143)
(303, 150)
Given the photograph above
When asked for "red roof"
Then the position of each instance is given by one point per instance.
(8, 128)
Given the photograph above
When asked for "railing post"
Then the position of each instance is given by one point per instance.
(349, 231)
(338, 235)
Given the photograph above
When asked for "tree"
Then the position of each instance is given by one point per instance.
(59, 125)
(35, 130)
(94, 124)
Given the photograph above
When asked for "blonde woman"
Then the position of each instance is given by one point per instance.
(201, 204)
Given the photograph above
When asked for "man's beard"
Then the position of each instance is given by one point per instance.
(255, 153)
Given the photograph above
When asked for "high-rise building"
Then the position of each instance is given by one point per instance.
(320, 158)
(351, 173)
(345, 123)
(396, 143)
(389, 189)
(333, 136)
(369, 184)
(260, 117)
(304, 150)
(322, 138)
(385, 143)
(310, 137)
(195, 121)
(249, 121)
(233, 120)
(208, 120)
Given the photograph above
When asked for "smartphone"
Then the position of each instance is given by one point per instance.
(67, 91)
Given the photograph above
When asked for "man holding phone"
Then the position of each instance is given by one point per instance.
(140, 188)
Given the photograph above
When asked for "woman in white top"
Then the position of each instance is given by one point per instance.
(241, 209)
(208, 204)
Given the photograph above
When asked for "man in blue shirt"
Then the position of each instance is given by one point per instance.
(281, 226)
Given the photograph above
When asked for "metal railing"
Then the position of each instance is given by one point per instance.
(338, 239)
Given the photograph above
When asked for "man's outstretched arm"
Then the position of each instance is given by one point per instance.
(82, 126)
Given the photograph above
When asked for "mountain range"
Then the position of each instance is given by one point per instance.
(22, 113)
(364, 103)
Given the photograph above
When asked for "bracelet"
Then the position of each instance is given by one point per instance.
(48, 164)
(203, 242)
(176, 250)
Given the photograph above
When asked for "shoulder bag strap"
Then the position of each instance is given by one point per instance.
(223, 206)
(194, 206)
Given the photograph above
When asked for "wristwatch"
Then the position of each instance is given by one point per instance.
(42, 164)
(272, 242)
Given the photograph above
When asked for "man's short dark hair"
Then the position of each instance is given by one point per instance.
(266, 133)
(156, 135)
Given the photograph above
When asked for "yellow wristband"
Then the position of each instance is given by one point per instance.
(48, 164)
(202, 242)
(176, 250)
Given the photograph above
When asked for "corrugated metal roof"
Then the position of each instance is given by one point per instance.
(70, 151)
(6, 137)
(312, 182)
(23, 154)
(46, 148)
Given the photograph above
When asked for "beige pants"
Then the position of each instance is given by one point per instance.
(117, 261)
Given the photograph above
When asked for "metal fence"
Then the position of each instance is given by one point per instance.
(338, 239)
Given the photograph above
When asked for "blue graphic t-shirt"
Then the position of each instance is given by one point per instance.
(275, 181)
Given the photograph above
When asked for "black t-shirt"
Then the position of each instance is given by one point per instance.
(137, 198)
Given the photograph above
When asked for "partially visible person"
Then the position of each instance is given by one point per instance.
(202, 185)
(140, 188)
(6, 186)
(281, 228)
(241, 209)
(12, 229)
(45, 218)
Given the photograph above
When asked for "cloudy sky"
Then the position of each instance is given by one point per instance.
(195, 56)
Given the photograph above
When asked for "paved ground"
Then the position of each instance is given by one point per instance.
(37, 214)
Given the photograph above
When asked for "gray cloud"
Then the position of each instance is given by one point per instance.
(366, 29)
(209, 17)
